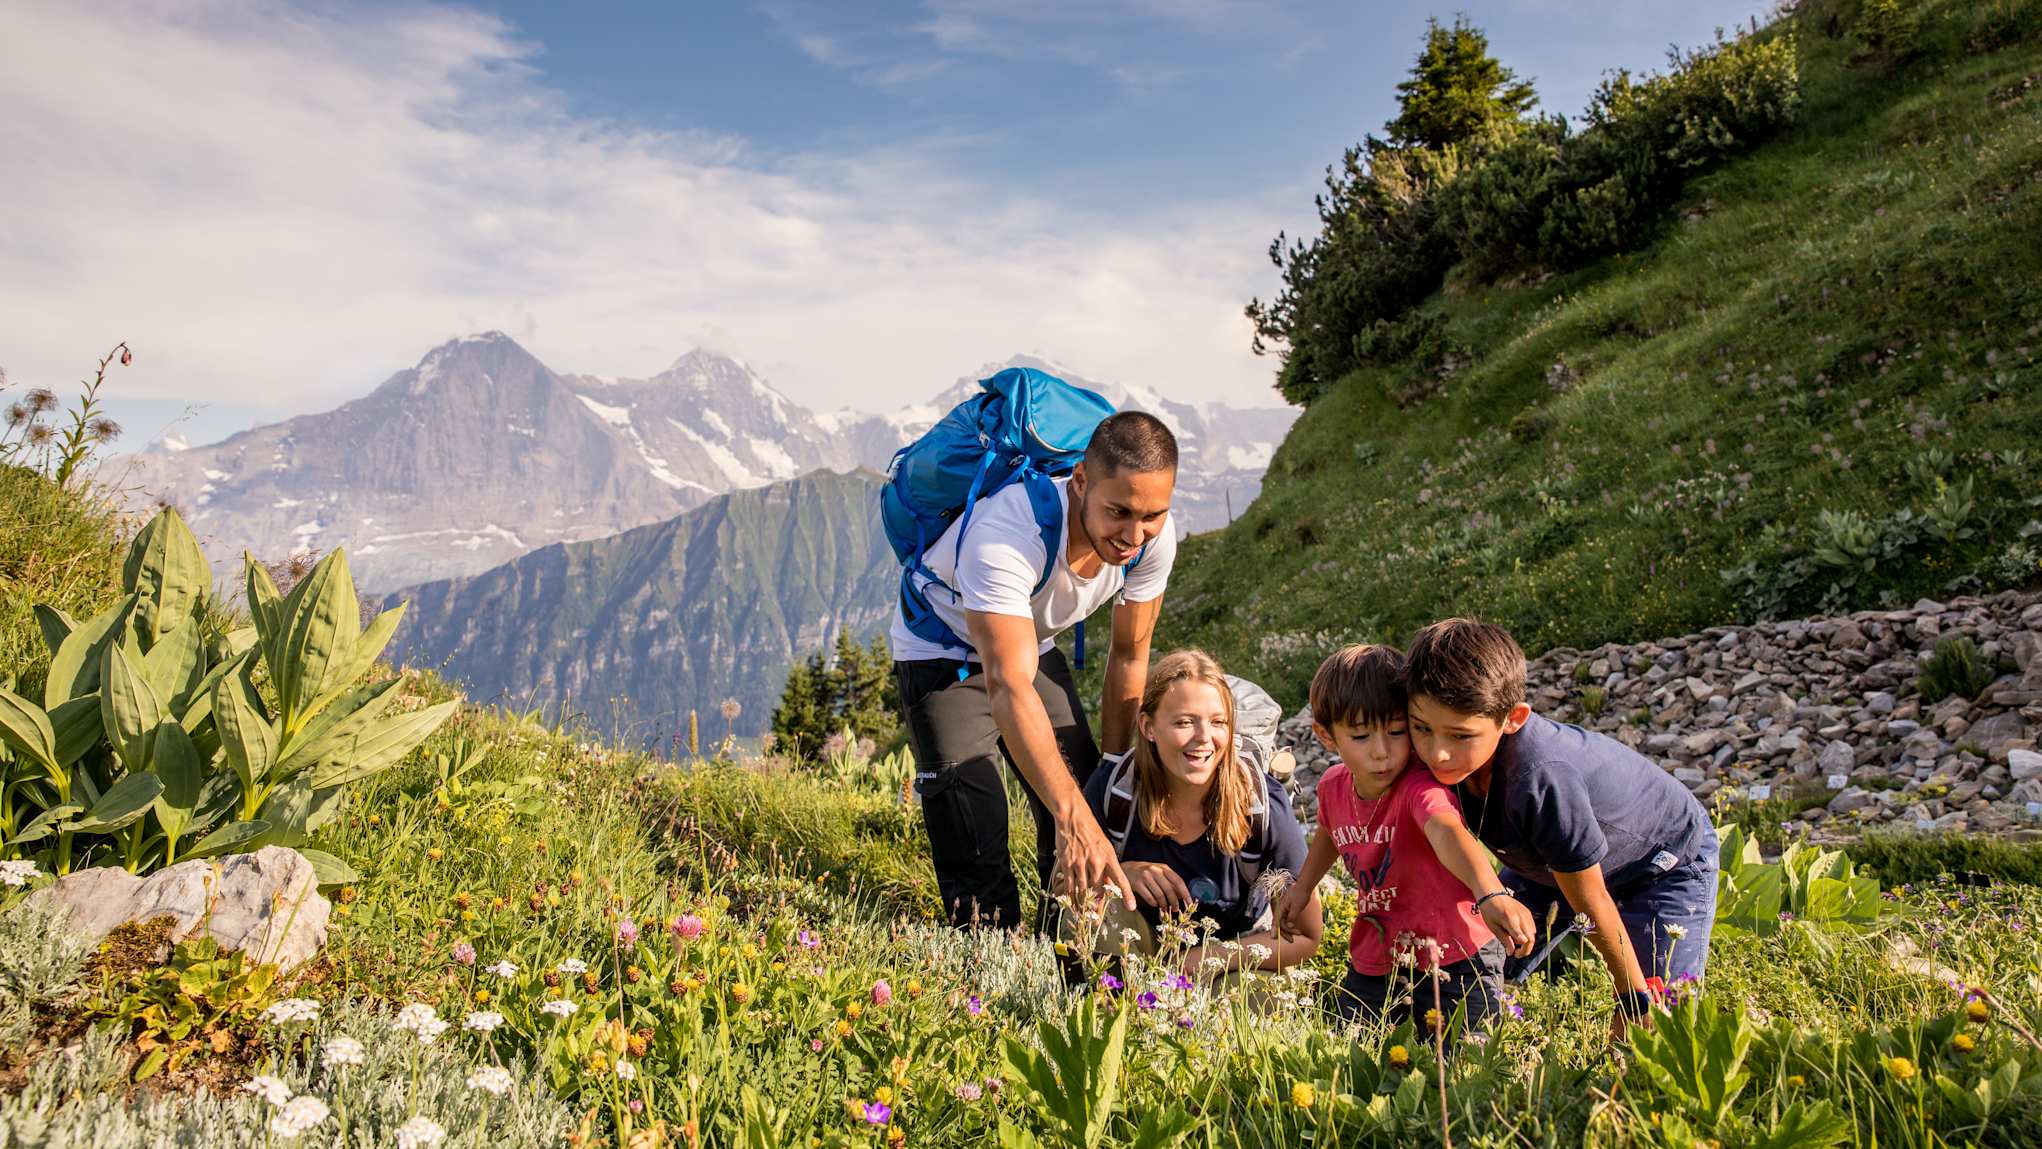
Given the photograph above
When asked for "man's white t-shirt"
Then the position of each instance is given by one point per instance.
(1003, 556)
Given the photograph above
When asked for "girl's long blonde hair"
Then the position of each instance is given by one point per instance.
(1227, 800)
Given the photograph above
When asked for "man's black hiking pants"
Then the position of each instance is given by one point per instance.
(964, 801)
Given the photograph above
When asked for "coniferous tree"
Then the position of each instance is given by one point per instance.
(1456, 90)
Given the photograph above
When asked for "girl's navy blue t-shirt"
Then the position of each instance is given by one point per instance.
(1563, 798)
(1214, 878)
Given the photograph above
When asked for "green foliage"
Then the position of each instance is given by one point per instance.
(1465, 178)
(155, 741)
(203, 998)
(1456, 90)
(1074, 1075)
(1694, 1056)
(1805, 885)
(59, 546)
(1903, 857)
(831, 705)
(1955, 669)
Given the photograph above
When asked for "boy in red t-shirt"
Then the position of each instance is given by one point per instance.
(1427, 890)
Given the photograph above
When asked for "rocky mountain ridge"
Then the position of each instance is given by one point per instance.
(1823, 714)
(482, 453)
(634, 630)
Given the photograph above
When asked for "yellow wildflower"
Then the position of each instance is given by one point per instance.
(1901, 1068)
(1399, 1056)
(883, 1095)
(481, 997)
(854, 1009)
(914, 987)
(842, 1028)
(1302, 1094)
(1796, 1081)
(1963, 1043)
(741, 993)
(435, 853)
(1978, 1011)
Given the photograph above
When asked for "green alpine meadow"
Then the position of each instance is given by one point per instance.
(1721, 394)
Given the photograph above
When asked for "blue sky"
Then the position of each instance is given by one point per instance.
(278, 205)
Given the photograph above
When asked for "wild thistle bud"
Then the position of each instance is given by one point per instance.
(127, 356)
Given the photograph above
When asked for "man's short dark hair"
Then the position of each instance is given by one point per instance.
(1359, 685)
(1130, 441)
(1468, 667)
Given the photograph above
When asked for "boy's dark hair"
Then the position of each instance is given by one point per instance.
(1468, 667)
(1130, 441)
(1360, 685)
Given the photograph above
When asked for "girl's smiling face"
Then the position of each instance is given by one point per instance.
(1189, 729)
(1374, 753)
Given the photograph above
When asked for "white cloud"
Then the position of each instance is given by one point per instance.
(277, 206)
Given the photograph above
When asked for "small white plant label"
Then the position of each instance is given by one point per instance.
(1759, 793)
(1839, 781)
(2035, 809)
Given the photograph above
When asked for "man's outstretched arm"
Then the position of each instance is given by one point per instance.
(1127, 672)
(1007, 647)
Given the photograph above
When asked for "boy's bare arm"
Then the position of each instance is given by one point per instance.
(1585, 891)
(1462, 856)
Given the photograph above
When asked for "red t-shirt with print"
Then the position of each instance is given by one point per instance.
(1404, 888)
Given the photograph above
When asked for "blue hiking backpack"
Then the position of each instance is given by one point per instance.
(1024, 426)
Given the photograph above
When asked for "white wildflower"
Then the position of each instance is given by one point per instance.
(270, 1089)
(1231, 946)
(1112, 891)
(572, 966)
(503, 969)
(1128, 936)
(625, 1070)
(18, 874)
(419, 1018)
(298, 1117)
(1212, 965)
(1301, 974)
(1676, 932)
(494, 1080)
(482, 1021)
(559, 1008)
(292, 1009)
(1261, 953)
(343, 1051)
(420, 1133)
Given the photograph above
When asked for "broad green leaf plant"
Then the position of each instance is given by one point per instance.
(161, 737)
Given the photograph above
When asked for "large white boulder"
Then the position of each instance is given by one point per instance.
(266, 904)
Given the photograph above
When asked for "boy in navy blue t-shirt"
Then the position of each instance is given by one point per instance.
(1576, 817)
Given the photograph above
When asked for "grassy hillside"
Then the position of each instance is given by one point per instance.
(58, 545)
(1815, 388)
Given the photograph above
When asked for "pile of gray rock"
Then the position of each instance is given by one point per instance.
(1823, 711)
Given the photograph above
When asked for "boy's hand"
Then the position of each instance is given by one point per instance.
(1290, 908)
(1512, 924)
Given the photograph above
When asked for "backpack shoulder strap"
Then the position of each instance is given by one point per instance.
(1255, 852)
(1120, 805)
(1048, 504)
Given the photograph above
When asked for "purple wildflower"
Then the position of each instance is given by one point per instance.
(1108, 982)
(1147, 1000)
(878, 1113)
(882, 993)
(808, 940)
(464, 953)
(975, 1006)
(627, 932)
